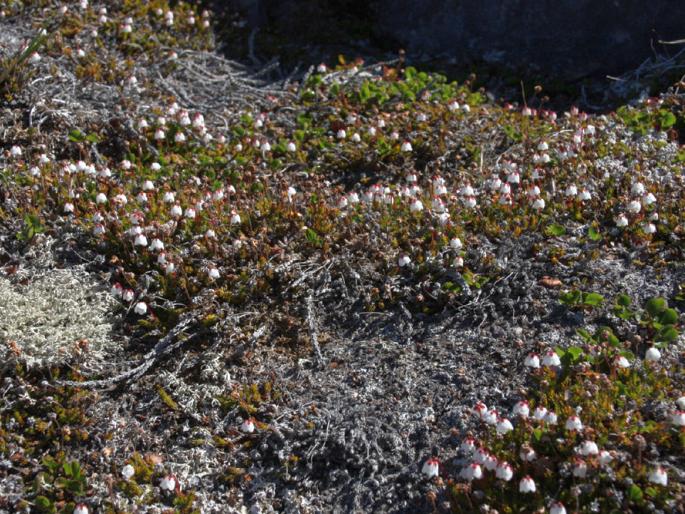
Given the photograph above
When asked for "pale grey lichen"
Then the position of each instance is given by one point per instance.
(46, 314)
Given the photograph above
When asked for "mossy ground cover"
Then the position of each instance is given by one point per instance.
(318, 278)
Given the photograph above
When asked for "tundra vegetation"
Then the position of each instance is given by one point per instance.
(364, 287)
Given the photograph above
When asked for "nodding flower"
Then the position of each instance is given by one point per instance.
(574, 423)
(431, 468)
(557, 508)
(527, 485)
(416, 206)
(128, 295)
(468, 446)
(406, 147)
(504, 426)
(128, 471)
(551, 359)
(678, 418)
(652, 354)
(504, 471)
(403, 261)
(140, 309)
(247, 426)
(658, 476)
(235, 218)
(169, 483)
(472, 472)
(539, 413)
(521, 409)
(532, 361)
(588, 448)
(621, 220)
(81, 508)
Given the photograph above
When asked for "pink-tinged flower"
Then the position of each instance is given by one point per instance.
(416, 206)
(235, 218)
(406, 147)
(648, 199)
(169, 483)
(141, 197)
(69, 208)
(521, 409)
(551, 418)
(128, 295)
(458, 262)
(634, 207)
(571, 190)
(140, 309)
(579, 468)
(658, 476)
(588, 448)
(159, 134)
(532, 361)
(190, 213)
(117, 290)
(621, 221)
(605, 457)
(504, 426)
(652, 354)
(431, 468)
(81, 508)
(504, 471)
(247, 426)
(574, 423)
(480, 409)
(480, 456)
(490, 463)
(584, 195)
(491, 417)
(140, 240)
(678, 418)
(121, 199)
(527, 485)
(539, 413)
(341, 134)
(551, 359)
(169, 268)
(468, 446)
(453, 106)
(539, 204)
(180, 137)
(472, 472)
(176, 211)
(527, 454)
(638, 188)
(557, 508)
(527, 111)
(15, 151)
(648, 228)
(621, 362)
(403, 261)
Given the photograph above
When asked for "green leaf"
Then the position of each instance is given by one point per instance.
(656, 306)
(623, 300)
(537, 434)
(44, 505)
(570, 298)
(593, 234)
(635, 493)
(575, 352)
(593, 299)
(76, 136)
(668, 317)
(667, 334)
(555, 230)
